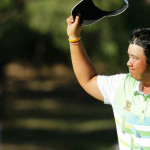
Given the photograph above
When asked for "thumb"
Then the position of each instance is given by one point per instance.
(77, 20)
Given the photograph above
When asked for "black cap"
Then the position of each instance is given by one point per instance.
(90, 14)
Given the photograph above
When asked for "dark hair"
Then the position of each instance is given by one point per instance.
(141, 37)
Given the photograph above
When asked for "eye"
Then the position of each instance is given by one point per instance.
(134, 57)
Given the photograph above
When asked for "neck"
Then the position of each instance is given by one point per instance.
(146, 82)
(146, 88)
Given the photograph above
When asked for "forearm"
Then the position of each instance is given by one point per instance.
(83, 68)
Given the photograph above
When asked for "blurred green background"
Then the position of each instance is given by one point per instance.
(42, 105)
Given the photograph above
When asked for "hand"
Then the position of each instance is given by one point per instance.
(73, 28)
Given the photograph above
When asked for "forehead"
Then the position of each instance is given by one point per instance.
(135, 50)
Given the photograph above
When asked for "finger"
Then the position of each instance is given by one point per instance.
(71, 19)
(77, 19)
(68, 20)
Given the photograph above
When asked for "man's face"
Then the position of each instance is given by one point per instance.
(138, 67)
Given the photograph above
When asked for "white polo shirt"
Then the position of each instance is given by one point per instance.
(131, 110)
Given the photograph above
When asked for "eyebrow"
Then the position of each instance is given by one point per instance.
(133, 56)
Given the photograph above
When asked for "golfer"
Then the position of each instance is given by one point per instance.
(129, 94)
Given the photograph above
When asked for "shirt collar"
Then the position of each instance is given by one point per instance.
(138, 88)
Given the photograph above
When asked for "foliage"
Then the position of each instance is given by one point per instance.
(26, 23)
(34, 32)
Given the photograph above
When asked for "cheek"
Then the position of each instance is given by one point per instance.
(140, 65)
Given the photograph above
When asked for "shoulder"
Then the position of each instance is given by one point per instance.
(111, 78)
(108, 85)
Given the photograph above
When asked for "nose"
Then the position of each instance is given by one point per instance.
(129, 62)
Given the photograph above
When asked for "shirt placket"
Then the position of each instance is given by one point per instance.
(146, 103)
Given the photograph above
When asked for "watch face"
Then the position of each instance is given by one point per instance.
(89, 13)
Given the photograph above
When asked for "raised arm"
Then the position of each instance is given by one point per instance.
(83, 68)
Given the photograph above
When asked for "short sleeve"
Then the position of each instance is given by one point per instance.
(108, 86)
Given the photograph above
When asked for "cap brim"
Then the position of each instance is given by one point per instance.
(90, 14)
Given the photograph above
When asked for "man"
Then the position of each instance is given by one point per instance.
(129, 94)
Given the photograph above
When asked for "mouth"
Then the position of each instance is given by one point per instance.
(131, 69)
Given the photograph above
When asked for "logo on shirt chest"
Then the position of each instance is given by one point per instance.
(128, 105)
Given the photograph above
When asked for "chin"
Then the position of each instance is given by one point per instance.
(135, 77)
